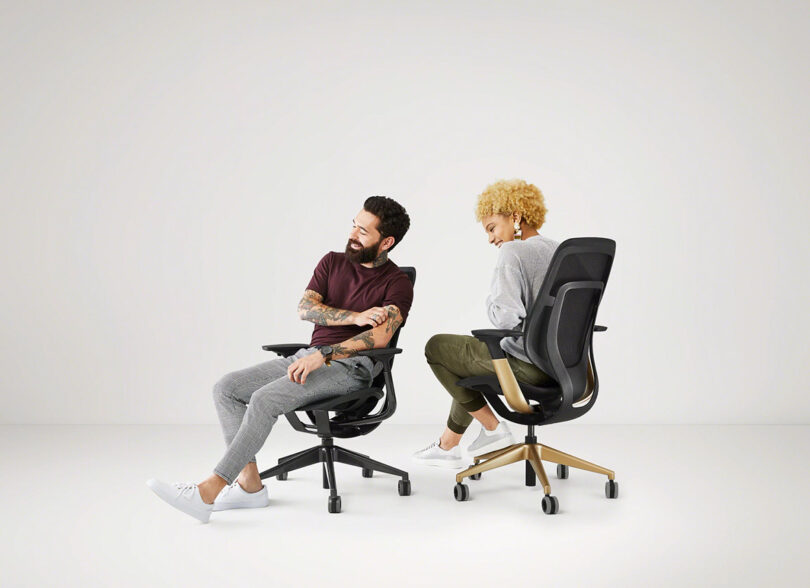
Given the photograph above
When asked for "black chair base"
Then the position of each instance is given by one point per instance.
(328, 454)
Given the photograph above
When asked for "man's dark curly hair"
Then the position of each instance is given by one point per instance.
(394, 221)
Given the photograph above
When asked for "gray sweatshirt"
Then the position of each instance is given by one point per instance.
(518, 275)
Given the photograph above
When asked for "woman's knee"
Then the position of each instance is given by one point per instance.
(436, 347)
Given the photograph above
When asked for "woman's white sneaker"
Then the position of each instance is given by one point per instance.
(488, 441)
(436, 456)
(234, 496)
(184, 497)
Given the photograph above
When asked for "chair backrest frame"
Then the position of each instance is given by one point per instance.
(558, 330)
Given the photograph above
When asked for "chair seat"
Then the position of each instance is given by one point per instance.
(348, 407)
(347, 403)
(545, 399)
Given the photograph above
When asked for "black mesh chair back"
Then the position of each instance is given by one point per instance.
(558, 330)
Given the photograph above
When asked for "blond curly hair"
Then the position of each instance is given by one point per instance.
(508, 196)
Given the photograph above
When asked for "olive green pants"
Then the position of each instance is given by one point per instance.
(454, 357)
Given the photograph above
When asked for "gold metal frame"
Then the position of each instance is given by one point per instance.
(509, 385)
(534, 453)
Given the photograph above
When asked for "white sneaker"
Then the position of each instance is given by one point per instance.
(234, 496)
(436, 456)
(183, 496)
(491, 440)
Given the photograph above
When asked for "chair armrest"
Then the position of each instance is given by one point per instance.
(506, 377)
(380, 353)
(500, 333)
(286, 349)
(385, 355)
(599, 328)
(492, 337)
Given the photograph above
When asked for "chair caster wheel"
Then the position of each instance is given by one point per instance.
(562, 471)
(282, 476)
(461, 492)
(476, 476)
(367, 472)
(334, 504)
(550, 504)
(612, 489)
(404, 487)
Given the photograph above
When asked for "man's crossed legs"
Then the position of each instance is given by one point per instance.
(248, 403)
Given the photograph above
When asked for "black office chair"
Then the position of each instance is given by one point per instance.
(557, 336)
(352, 418)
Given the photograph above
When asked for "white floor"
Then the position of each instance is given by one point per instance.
(698, 505)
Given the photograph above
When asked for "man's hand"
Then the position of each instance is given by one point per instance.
(300, 368)
(373, 317)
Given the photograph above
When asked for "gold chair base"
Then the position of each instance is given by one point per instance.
(534, 453)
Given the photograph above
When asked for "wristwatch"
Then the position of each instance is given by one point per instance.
(326, 351)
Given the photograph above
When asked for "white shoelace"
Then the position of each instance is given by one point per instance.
(429, 447)
(185, 487)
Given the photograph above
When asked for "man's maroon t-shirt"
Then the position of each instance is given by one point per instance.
(351, 286)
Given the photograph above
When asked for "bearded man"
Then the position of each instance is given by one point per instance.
(357, 300)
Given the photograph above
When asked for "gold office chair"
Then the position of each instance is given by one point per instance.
(557, 338)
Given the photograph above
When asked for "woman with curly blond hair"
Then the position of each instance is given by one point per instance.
(510, 212)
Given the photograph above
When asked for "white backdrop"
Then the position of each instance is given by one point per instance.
(171, 172)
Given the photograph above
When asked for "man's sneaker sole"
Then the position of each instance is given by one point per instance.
(232, 506)
(440, 463)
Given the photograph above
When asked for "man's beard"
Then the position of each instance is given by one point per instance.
(364, 254)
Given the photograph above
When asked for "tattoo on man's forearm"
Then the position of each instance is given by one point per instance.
(325, 315)
(312, 309)
(394, 319)
(366, 338)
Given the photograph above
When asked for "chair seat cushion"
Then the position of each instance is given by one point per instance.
(347, 407)
(352, 403)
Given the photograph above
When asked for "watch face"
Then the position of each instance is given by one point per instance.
(326, 350)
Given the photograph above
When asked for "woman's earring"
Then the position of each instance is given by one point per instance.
(518, 231)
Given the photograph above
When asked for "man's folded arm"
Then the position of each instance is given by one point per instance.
(311, 308)
(377, 337)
